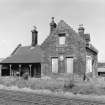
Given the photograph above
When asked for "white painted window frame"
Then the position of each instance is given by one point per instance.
(88, 64)
(54, 69)
(62, 40)
(72, 63)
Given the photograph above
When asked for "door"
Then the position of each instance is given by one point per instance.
(55, 65)
(69, 63)
(36, 70)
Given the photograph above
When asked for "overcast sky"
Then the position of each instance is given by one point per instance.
(17, 18)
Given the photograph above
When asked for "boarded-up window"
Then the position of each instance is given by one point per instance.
(61, 40)
(55, 65)
(69, 62)
(88, 64)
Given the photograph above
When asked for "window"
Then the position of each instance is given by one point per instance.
(62, 39)
(88, 64)
(69, 63)
(55, 65)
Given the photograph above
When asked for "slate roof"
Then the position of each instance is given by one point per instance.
(27, 54)
(62, 25)
(91, 47)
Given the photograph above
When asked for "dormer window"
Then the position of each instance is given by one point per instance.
(62, 39)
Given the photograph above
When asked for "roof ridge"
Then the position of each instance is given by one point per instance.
(14, 51)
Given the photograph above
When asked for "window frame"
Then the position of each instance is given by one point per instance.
(63, 40)
(88, 66)
(54, 71)
(70, 72)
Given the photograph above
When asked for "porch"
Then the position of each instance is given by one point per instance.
(31, 69)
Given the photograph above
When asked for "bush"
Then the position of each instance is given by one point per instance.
(7, 81)
(69, 84)
(21, 83)
(86, 90)
(25, 76)
(34, 83)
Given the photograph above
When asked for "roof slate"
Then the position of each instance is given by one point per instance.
(92, 48)
(27, 54)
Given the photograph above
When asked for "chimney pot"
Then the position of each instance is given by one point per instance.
(81, 30)
(87, 39)
(52, 24)
(34, 36)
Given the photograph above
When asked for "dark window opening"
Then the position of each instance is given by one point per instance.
(101, 74)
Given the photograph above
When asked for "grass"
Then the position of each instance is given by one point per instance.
(33, 83)
(96, 87)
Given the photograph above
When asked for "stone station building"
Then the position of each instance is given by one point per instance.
(64, 52)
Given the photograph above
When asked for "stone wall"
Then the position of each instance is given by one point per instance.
(94, 61)
(74, 47)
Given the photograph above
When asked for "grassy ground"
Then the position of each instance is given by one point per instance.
(94, 86)
(32, 83)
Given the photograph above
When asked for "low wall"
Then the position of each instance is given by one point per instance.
(26, 98)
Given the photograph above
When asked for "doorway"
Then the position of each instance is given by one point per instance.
(5, 70)
(36, 70)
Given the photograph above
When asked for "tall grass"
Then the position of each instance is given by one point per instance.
(32, 83)
(96, 86)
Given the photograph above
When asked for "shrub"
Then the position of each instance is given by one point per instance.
(69, 84)
(34, 83)
(86, 90)
(7, 81)
(25, 76)
(21, 83)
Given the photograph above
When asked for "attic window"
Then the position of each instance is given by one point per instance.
(62, 39)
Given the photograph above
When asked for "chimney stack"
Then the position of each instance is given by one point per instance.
(52, 25)
(87, 39)
(84, 36)
(81, 30)
(34, 37)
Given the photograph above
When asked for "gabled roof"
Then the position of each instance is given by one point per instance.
(92, 48)
(27, 54)
(63, 26)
